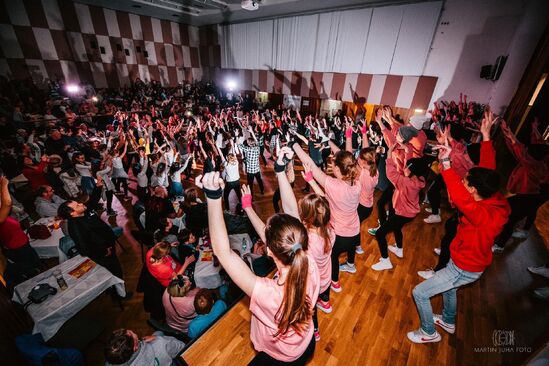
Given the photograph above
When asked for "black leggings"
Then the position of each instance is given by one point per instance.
(522, 205)
(450, 230)
(124, 182)
(229, 186)
(276, 198)
(343, 244)
(364, 212)
(393, 224)
(324, 296)
(434, 193)
(386, 198)
(109, 195)
(250, 177)
(263, 359)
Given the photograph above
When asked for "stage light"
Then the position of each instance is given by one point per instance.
(72, 88)
(231, 85)
(418, 110)
(188, 113)
(94, 99)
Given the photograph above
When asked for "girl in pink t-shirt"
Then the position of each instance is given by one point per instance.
(281, 327)
(343, 195)
(368, 181)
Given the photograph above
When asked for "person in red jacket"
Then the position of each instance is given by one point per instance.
(36, 174)
(484, 212)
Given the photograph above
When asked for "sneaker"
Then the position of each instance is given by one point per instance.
(396, 250)
(112, 213)
(496, 249)
(520, 234)
(426, 200)
(317, 335)
(426, 274)
(428, 210)
(359, 250)
(419, 336)
(347, 267)
(335, 286)
(540, 270)
(383, 264)
(541, 293)
(449, 328)
(373, 230)
(324, 306)
(437, 251)
(432, 219)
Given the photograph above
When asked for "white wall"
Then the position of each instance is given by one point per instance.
(478, 32)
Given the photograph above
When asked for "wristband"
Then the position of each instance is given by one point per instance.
(364, 128)
(279, 168)
(308, 176)
(246, 201)
(213, 195)
(445, 160)
(349, 132)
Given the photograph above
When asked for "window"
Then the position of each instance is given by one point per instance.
(119, 47)
(93, 45)
(127, 52)
(137, 49)
(102, 50)
(145, 53)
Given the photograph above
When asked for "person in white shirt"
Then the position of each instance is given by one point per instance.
(231, 176)
(47, 202)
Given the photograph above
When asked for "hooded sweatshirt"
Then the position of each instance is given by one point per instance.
(160, 352)
(406, 195)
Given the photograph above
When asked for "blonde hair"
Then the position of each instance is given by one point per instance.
(368, 154)
(314, 211)
(287, 239)
(159, 251)
(347, 165)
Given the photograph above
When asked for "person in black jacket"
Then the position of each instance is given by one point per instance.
(93, 237)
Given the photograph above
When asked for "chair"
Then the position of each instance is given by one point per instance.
(36, 353)
(152, 294)
(169, 331)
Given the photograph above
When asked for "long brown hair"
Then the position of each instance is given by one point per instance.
(314, 211)
(159, 251)
(282, 233)
(347, 165)
(368, 154)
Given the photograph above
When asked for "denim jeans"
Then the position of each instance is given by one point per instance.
(446, 281)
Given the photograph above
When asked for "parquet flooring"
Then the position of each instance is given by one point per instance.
(375, 310)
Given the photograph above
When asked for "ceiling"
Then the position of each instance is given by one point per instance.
(205, 12)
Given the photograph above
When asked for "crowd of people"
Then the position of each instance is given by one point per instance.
(75, 163)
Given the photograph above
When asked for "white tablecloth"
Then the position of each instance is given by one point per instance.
(49, 247)
(51, 314)
(206, 275)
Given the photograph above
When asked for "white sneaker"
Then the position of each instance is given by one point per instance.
(383, 264)
(540, 270)
(419, 336)
(428, 210)
(359, 250)
(496, 249)
(426, 274)
(437, 251)
(372, 231)
(432, 219)
(449, 328)
(396, 250)
(520, 234)
(347, 267)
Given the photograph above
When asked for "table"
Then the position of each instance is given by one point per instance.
(205, 274)
(51, 314)
(49, 247)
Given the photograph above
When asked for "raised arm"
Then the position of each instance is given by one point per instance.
(308, 177)
(5, 199)
(289, 203)
(237, 269)
(318, 174)
(487, 152)
(256, 221)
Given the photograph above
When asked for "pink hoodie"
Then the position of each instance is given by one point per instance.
(406, 196)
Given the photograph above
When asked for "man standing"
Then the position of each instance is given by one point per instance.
(251, 154)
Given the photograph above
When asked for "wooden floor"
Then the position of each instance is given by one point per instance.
(375, 310)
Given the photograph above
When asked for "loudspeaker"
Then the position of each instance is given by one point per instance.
(486, 72)
(498, 67)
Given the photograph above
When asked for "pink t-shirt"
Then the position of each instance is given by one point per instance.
(343, 199)
(323, 260)
(367, 187)
(180, 317)
(265, 301)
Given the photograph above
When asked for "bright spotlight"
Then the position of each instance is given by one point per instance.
(72, 88)
(231, 85)
(94, 99)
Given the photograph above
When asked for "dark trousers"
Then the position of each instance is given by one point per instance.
(229, 186)
(261, 156)
(522, 205)
(324, 296)
(364, 212)
(434, 193)
(385, 199)
(276, 198)
(24, 255)
(142, 193)
(109, 195)
(393, 224)
(263, 359)
(450, 230)
(251, 177)
(121, 181)
(343, 244)
(111, 263)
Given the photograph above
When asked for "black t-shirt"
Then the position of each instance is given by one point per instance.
(157, 208)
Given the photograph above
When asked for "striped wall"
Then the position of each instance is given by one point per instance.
(50, 39)
(395, 90)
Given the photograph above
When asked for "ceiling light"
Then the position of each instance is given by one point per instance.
(249, 5)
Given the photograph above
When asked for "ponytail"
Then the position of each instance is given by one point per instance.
(368, 154)
(347, 165)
